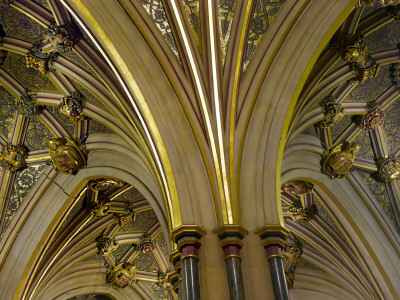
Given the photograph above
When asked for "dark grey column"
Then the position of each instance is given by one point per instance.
(278, 278)
(190, 279)
(235, 279)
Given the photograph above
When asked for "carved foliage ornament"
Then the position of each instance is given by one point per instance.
(372, 119)
(333, 112)
(105, 245)
(163, 280)
(362, 74)
(63, 37)
(121, 275)
(336, 162)
(13, 157)
(72, 106)
(388, 169)
(127, 218)
(26, 105)
(66, 156)
(300, 214)
(297, 187)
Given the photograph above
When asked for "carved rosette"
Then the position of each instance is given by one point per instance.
(26, 105)
(352, 49)
(388, 169)
(300, 214)
(103, 185)
(333, 112)
(336, 162)
(297, 187)
(66, 156)
(372, 119)
(72, 106)
(63, 37)
(146, 244)
(13, 157)
(105, 245)
(121, 275)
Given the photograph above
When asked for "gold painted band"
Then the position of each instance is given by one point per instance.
(189, 256)
(233, 256)
(274, 256)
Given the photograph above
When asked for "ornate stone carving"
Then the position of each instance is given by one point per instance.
(379, 2)
(300, 214)
(26, 105)
(72, 106)
(66, 156)
(333, 112)
(127, 218)
(353, 49)
(105, 245)
(146, 244)
(362, 74)
(39, 61)
(297, 187)
(100, 210)
(388, 169)
(105, 184)
(163, 280)
(292, 253)
(336, 162)
(63, 37)
(7, 2)
(121, 275)
(372, 119)
(13, 157)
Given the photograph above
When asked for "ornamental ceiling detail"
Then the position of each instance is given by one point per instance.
(370, 123)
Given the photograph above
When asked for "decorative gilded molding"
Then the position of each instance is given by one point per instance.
(121, 275)
(230, 230)
(100, 209)
(26, 104)
(372, 119)
(62, 37)
(72, 106)
(105, 245)
(126, 218)
(66, 156)
(336, 162)
(388, 169)
(300, 214)
(297, 187)
(13, 157)
(333, 112)
(146, 244)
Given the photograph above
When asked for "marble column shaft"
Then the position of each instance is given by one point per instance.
(190, 273)
(235, 279)
(279, 284)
